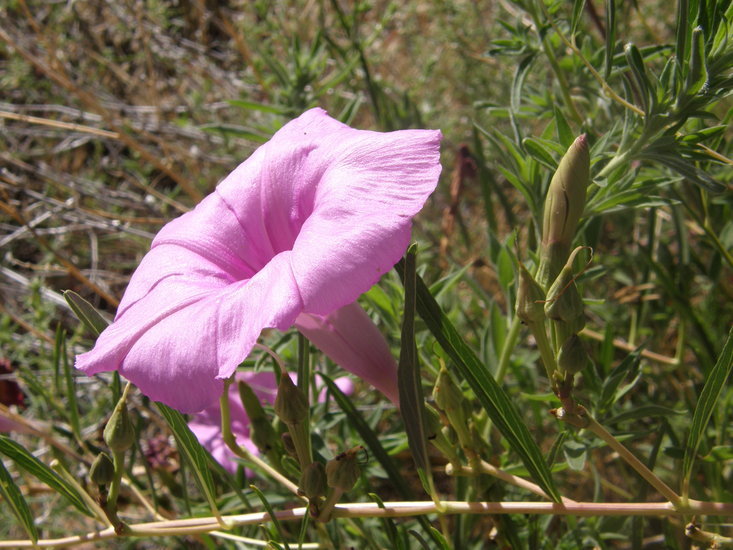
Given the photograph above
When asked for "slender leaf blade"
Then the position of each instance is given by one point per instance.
(375, 447)
(709, 396)
(412, 401)
(86, 312)
(196, 455)
(494, 399)
(25, 460)
(12, 495)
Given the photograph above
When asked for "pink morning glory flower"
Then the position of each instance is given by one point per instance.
(292, 236)
(206, 425)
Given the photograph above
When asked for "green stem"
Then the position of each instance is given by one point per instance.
(329, 505)
(550, 54)
(231, 442)
(510, 343)
(583, 420)
(546, 352)
(118, 458)
(302, 442)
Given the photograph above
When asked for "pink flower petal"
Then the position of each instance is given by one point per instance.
(309, 222)
(206, 425)
(350, 338)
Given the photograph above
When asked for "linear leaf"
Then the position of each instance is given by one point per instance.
(375, 447)
(12, 495)
(412, 401)
(494, 399)
(196, 455)
(85, 312)
(25, 460)
(709, 396)
(72, 404)
(273, 516)
(368, 436)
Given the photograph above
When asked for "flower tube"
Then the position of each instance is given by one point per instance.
(303, 227)
(206, 425)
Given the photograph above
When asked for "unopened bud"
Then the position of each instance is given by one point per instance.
(262, 434)
(564, 303)
(287, 440)
(261, 431)
(572, 357)
(530, 298)
(291, 406)
(313, 481)
(697, 74)
(119, 433)
(342, 471)
(564, 205)
(102, 471)
(448, 396)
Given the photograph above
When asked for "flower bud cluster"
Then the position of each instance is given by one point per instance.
(551, 300)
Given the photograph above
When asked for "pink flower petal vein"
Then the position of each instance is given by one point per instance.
(304, 226)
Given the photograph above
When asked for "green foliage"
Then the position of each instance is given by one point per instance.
(120, 117)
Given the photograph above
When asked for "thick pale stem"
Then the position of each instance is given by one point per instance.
(394, 510)
(484, 467)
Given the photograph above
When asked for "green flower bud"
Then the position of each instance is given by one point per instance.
(313, 480)
(564, 205)
(564, 303)
(119, 433)
(250, 401)
(102, 471)
(342, 471)
(697, 74)
(436, 435)
(530, 298)
(291, 406)
(262, 433)
(572, 357)
(287, 440)
(448, 396)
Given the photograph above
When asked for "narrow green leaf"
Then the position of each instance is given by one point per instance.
(72, 405)
(412, 400)
(423, 543)
(85, 312)
(254, 106)
(643, 412)
(372, 442)
(610, 36)
(636, 64)
(575, 18)
(565, 134)
(522, 70)
(236, 131)
(12, 495)
(273, 517)
(369, 437)
(196, 455)
(682, 32)
(25, 460)
(628, 366)
(492, 397)
(540, 153)
(711, 392)
(389, 524)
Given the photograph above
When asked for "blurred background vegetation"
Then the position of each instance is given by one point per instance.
(118, 116)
